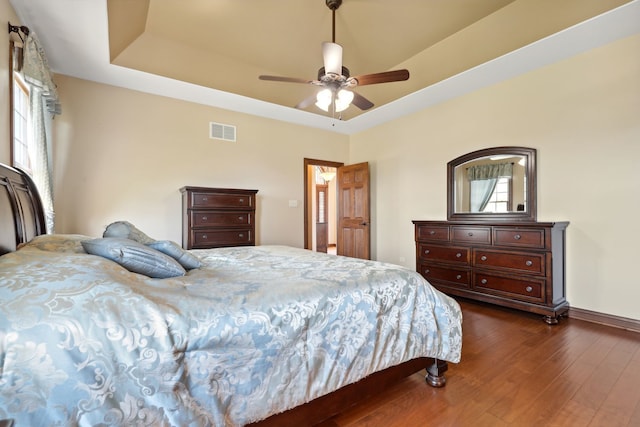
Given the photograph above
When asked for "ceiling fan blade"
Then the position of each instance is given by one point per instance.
(384, 77)
(307, 102)
(286, 79)
(332, 56)
(361, 102)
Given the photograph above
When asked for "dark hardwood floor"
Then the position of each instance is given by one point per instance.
(518, 371)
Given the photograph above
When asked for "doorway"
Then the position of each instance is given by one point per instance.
(347, 207)
(320, 204)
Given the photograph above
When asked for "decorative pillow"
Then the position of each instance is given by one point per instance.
(188, 260)
(126, 230)
(135, 257)
(57, 243)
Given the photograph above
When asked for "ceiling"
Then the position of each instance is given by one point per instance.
(212, 51)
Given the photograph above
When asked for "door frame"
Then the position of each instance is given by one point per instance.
(307, 195)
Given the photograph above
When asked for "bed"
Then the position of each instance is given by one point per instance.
(265, 335)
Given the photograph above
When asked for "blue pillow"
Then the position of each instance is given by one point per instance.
(186, 259)
(126, 230)
(135, 257)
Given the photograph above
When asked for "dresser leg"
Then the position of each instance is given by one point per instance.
(551, 320)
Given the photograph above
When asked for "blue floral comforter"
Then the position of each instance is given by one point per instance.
(255, 331)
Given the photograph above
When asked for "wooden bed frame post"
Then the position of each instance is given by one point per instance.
(435, 373)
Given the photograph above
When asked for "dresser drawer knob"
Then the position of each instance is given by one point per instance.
(517, 237)
(426, 251)
(470, 234)
(240, 234)
(204, 218)
(484, 281)
(432, 232)
(458, 255)
(241, 200)
(483, 258)
(205, 199)
(529, 263)
(204, 237)
(528, 289)
(240, 218)
(427, 271)
(459, 276)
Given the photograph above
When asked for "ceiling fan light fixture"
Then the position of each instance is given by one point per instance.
(332, 55)
(343, 100)
(324, 98)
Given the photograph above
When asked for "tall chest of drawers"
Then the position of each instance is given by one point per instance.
(518, 265)
(217, 217)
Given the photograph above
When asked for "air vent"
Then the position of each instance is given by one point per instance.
(222, 131)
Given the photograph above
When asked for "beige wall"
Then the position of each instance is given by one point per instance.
(8, 15)
(583, 117)
(123, 155)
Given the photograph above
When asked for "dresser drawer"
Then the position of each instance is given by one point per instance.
(517, 237)
(467, 234)
(434, 274)
(438, 233)
(532, 263)
(522, 289)
(214, 238)
(221, 200)
(443, 253)
(204, 218)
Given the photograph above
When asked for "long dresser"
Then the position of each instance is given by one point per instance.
(217, 217)
(519, 265)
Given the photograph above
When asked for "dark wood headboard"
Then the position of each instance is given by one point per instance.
(21, 212)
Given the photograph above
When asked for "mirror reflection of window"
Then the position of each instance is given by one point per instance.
(490, 189)
(500, 199)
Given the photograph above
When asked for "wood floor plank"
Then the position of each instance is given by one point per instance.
(570, 415)
(622, 400)
(518, 371)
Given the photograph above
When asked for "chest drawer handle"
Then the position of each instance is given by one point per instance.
(470, 234)
(458, 255)
(528, 289)
(517, 237)
(427, 271)
(483, 258)
(426, 251)
(529, 263)
(240, 234)
(205, 199)
(240, 218)
(432, 232)
(241, 200)
(459, 276)
(204, 237)
(483, 281)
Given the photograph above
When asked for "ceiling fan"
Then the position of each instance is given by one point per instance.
(335, 78)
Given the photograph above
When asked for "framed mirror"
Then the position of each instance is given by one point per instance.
(492, 184)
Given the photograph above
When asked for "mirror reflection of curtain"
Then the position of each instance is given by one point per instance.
(480, 193)
(483, 182)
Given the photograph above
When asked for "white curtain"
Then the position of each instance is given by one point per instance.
(481, 191)
(483, 180)
(44, 105)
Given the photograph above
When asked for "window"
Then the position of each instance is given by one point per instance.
(500, 200)
(34, 102)
(21, 158)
